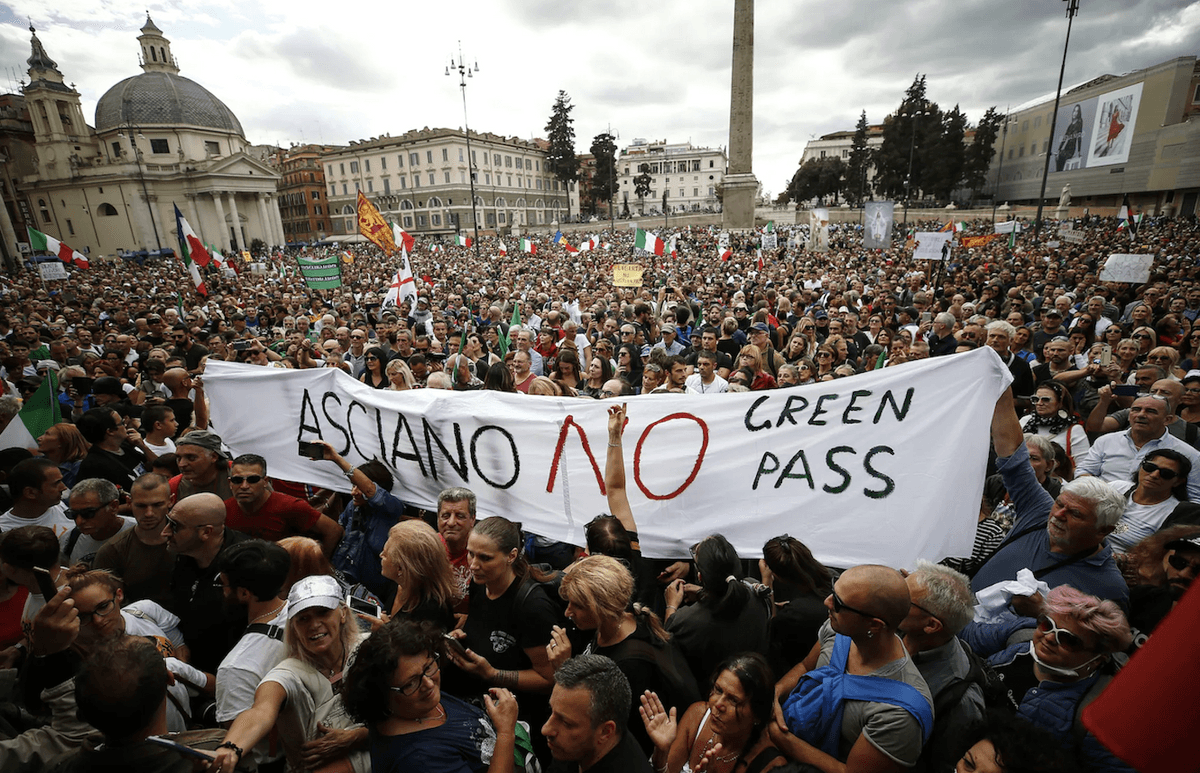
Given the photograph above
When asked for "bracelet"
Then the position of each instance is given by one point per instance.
(509, 679)
(614, 445)
(350, 472)
(236, 749)
(671, 606)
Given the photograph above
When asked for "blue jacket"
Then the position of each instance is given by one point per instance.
(1053, 706)
(990, 640)
(357, 556)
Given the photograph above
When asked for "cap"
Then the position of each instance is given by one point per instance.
(760, 327)
(202, 438)
(740, 307)
(1191, 375)
(1052, 312)
(318, 590)
(48, 364)
(1191, 543)
(821, 314)
(107, 385)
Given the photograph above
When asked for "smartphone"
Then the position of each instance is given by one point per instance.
(1126, 390)
(454, 645)
(362, 606)
(1105, 356)
(926, 316)
(179, 748)
(241, 346)
(312, 450)
(82, 384)
(45, 582)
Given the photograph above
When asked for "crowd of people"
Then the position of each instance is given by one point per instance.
(155, 581)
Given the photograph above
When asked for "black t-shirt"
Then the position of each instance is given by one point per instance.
(625, 757)
(793, 631)
(723, 359)
(706, 640)
(121, 469)
(208, 624)
(501, 633)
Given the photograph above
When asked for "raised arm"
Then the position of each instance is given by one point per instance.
(1007, 436)
(614, 471)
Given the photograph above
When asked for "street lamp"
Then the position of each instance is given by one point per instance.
(466, 71)
(912, 146)
(612, 171)
(133, 133)
(1072, 9)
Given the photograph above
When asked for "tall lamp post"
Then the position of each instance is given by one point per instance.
(1072, 9)
(132, 132)
(1000, 170)
(466, 71)
(915, 115)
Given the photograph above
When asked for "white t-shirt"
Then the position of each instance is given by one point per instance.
(168, 447)
(85, 546)
(697, 387)
(148, 618)
(54, 518)
(244, 668)
(1138, 521)
(176, 719)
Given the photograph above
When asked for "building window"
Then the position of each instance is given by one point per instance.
(367, 164)
(528, 165)
(710, 166)
(383, 162)
(462, 177)
(370, 186)
(496, 159)
(116, 146)
(344, 193)
(106, 210)
(539, 183)
(400, 161)
(428, 160)
(445, 157)
(387, 186)
(357, 188)
(432, 179)
(1022, 153)
(342, 167)
(460, 154)
(317, 209)
(408, 221)
(420, 221)
(435, 219)
(447, 176)
(70, 228)
(1037, 121)
(500, 217)
(159, 146)
(1010, 154)
(681, 193)
(414, 159)
(316, 195)
(332, 190)
(695, 192)
(403, 183)
(353, 167)
(487, 178)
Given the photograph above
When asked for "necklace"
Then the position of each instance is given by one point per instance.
(440, 713)
(274, 612)
(728, 758)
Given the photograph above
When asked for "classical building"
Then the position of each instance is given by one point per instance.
(420, 179)
(303, 205)
(839, 144)
(160, 140)
(690, 176)
(1115, 135)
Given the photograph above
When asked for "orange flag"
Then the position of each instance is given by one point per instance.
(372, 226)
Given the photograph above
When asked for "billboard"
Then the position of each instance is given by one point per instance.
(1096, 131)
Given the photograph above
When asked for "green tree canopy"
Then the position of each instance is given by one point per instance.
(560, 130)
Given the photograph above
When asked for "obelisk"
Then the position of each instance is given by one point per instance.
(739, 186)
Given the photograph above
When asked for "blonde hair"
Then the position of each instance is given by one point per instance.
(348, 633)
(427, 572)
(400, 366)
(544, 386)
(73, 445)
(754, 352)
(604, 586)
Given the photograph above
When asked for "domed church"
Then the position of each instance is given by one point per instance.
(160, 140)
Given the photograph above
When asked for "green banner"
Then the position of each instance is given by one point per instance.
(321, 274)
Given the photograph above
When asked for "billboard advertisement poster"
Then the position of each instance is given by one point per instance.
(1112, 130)
(1073, 135)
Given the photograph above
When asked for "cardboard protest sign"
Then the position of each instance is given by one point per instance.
(627, 275)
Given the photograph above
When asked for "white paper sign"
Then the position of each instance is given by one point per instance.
(1132, 269)
(53, 269)
(854, 468)
(932, 245)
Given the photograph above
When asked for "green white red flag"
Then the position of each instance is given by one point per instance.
(462, 241)
(40, 242)
(527, 245)
(644, 240)
(192, 250)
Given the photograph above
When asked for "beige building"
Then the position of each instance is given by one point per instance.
(160, 140)
(1115, 135)
(419, 179)
(690, 176)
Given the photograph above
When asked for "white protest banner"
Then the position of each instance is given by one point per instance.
(1007, 227)
(1068, 234)
(885, 467)
(53, 269)
(932, 245)
(1133, 269)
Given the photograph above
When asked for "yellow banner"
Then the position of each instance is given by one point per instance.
(372, 226)
(627, 275)
(978, 241)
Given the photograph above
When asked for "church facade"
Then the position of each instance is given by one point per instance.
(159, 141)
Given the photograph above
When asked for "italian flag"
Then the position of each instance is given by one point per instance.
(674, 254)
(192, 250)
(724, 253)
(40, 242)
(590, 244)
(649, 242)
(39, 413)
(503, 250)
(527, 245)
(462, 241)
(760, 260)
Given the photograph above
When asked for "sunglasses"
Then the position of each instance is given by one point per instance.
(1062, 636)
(839, 605)
(1140, 335)
(1163, 472)
(87, 513)
(1181, 564)
(1042, 399)
(238, 480)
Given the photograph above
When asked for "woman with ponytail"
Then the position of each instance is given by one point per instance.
(509, 625)
(727, 616)
(599, 595)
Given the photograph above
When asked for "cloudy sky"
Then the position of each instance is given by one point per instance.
(302, 71)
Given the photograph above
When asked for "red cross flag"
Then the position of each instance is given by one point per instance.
(403, 287)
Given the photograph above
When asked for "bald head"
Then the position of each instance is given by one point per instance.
(883, 590)
(175, 378)
(202, 509)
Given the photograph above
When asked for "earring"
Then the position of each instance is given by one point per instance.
(870, 634)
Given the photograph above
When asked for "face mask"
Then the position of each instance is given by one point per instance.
(1070, 673)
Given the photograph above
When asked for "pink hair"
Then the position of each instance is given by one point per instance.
(1103, 618)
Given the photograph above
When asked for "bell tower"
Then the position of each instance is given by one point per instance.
(62, 135)
(156, 49)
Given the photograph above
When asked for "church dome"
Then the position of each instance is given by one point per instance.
(163, 99)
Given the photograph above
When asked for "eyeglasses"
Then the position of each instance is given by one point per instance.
(1163, 472)
(824, 354)
(414, 684)
(1062, 636)
(1042, 399)
(87, 513)
(1140, 335)
(103, 609)
(839, 605)
(926, 611)
(607, 393)
(238, 480)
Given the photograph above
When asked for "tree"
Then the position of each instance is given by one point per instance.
(944, 167)
(979, 153)
(604, 182)
(641, 186)
(818, 178)
(859, 163)
(560, 130)
(908, 136)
